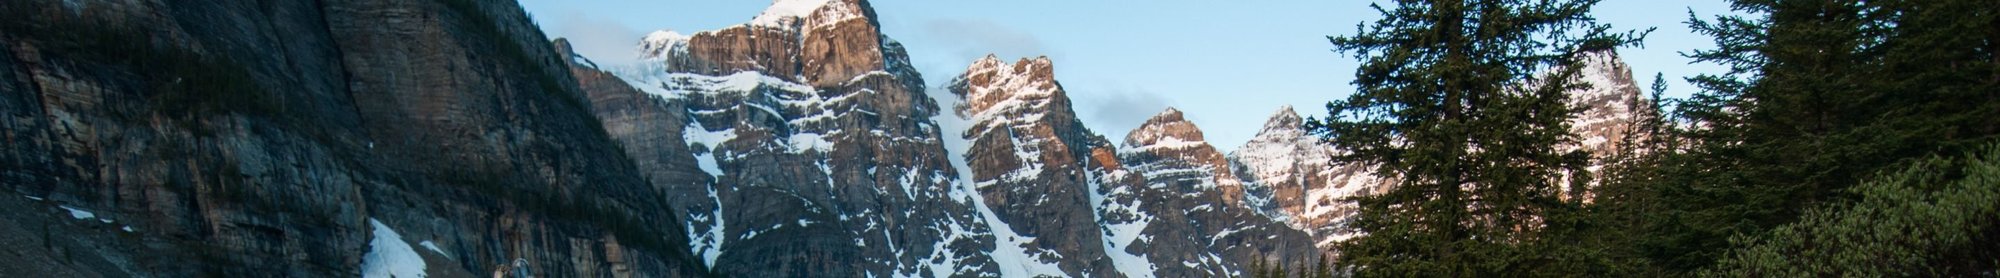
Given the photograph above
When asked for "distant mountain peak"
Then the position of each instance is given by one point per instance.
(1168, 129)
(661, 43)
(1285, 114)
(1282, 123)
(993, 87)
(792, 13)
(1169, 114)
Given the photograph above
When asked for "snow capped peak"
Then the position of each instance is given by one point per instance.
(1037, 61)
(790, 13)
(1611, 102)
(993, 88)
(664, 35)
(1284, 121)
(1168, 129)
(987, 63)
(788, 8)
(1170, 114)
(1285, 112)
(662, 43)
(1607, 75)
(1040, 66)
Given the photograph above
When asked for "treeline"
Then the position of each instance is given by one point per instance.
(1848, 138)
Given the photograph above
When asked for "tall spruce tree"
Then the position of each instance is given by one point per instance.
(1627, 202)
(1465, 102)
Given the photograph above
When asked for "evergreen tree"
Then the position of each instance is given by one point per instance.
(1453, 99)
(1821, 95)
(1626, 203)
(1320, 269)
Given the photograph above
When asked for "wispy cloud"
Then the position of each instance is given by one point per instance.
(1114, 111)
(603, 41)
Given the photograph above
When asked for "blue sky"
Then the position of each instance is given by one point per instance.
(1227, 64)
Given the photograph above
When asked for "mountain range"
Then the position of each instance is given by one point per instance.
(450, 139)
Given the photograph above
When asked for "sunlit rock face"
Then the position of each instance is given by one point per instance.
(1201, 222)
(800, 143)
(1291, 177)
(1028, 156)
(1165, 203)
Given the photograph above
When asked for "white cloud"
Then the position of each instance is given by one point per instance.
(1115, 111)
(603, 41)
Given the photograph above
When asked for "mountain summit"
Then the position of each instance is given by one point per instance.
(813, 147)
(799, 143)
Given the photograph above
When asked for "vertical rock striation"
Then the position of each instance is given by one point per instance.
(286, 138)
(1200, 221)
(1028, 157)
(800, 143)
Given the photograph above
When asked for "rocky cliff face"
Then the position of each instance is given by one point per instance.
(328, 138)
(1169, 148)
(800, 143)
(1607, 112)
(1290, 176)
(1165, 204)
(446, 139)
(1028, 158)
(1200, 222)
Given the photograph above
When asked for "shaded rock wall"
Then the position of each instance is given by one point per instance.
(259, 138)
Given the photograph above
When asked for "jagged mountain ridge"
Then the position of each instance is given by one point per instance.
(1029, 157)
(1163, 203)
(1203, 224)
(813, 143)
(800, 143)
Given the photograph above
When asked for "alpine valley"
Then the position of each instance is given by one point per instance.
(448, 138)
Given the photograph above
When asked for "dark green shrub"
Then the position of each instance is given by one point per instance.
(1936, 218)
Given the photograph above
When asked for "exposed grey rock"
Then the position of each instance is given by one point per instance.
(1200, 224)
(1028, 159)
(261, 139)
(818, 139)
(1166, 204)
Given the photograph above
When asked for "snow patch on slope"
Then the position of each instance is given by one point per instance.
(1010, 254)
(79, 214)
(705, 142)
(663, 43)
(780, 10)
(786, 13)
(434, 248)
(389, 256)
(1119, 234)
